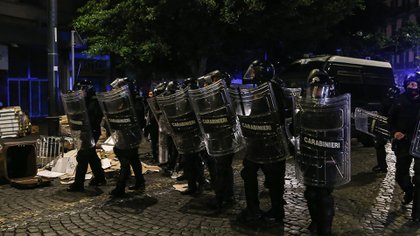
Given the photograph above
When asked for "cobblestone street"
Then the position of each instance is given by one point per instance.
(368, 205)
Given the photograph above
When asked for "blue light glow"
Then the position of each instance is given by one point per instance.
(79, 55)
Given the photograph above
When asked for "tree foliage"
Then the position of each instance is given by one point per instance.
(362, 35)
(408, 36)
(183, 35)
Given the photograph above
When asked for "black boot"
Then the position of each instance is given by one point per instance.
(408, 198)
(274, 216)
(326, 215)
(138, 186)
(75, 188)
(97, 182)
(250, 215)
(117, 192)
(313, 228)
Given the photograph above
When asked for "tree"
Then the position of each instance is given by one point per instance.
(181, 36)
(362, 35)
(408, 36)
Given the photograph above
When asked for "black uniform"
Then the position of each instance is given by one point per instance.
(130, 157)
(403, 117)
(223, 184)
(89, 156)
(319, 163)
(380, 142)
(194, 173)
(274, 176)
(152, 129)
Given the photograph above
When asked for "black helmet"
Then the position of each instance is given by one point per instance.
(204, 80)
(393, 92)
(320, 85)
(171, 87)
(259, 72)
(87, 86)
(120, 82)
(408, 79)
(160, 88)
(190, 83)
(215, 76)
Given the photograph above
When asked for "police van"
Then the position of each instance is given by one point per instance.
(366, 80)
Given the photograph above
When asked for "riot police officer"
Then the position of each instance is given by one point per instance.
(324, 147)
(403, 117)
(167, 153)
(221, 133)
(89, 156)
(152, 130)
(263, 153)
(128, 137)
(380, 142)
(185, 134)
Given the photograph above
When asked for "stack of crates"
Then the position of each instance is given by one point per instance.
(13, 122)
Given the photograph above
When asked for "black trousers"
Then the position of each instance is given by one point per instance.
(223, 185)
(381, 153)
(173, 154)
(210, 163)
(274, 177)
(321, 208)
(193, 170)
(410, 185)
(154, 146)
(84, 158)
(127, 158)
(402, 166)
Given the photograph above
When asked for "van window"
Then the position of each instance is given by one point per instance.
(367, 83)
(296, 74)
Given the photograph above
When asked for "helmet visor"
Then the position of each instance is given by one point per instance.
(318, 91)
(250, 75)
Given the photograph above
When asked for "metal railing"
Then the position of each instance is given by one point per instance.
(48, 150)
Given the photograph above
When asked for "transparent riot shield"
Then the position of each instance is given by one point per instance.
(182, 122)
(260, 124)
(323, 150)
(216, 118)
(291, 94)
(163, 129)
(154, 107)
(77, 115)
(415, 143)
(118, 108)
(371, 123)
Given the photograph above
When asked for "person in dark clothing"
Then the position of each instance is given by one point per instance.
(380, 142)
(152, 130)
(89, 156)
(166, 150)
(127, 150)
(222, 139)
(265, 154)
(191, 161)
(403, 118)
(319, 164)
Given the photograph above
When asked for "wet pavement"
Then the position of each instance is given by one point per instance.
(368, 205)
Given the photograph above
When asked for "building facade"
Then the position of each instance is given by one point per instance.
(404, 60)
(24, 33)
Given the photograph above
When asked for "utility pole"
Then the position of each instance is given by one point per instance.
(53, 83)
(73, 74)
